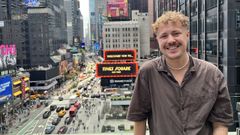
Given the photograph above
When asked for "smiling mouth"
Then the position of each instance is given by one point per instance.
(172, 47)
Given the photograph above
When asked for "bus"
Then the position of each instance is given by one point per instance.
(77, 105)
(72, 111)
(110, 91)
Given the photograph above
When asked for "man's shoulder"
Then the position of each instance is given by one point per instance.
(205, 65)
(151, 64)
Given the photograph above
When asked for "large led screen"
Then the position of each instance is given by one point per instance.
(7, 56)
(118, 55)
(123, 69)
(5, 88)
(117, 9)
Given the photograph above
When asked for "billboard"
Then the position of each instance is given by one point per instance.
(31, 3)
(120, 69)
(118, 55)
(5, 88)
(7, 56)
(116, 81)
(117, 9)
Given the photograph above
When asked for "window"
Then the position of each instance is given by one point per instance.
(237, 75)
(221, 22)
(194, 8)
(237, 22)
(211, 4)
(211, 47)
(238, 48)
(194, 27)
(211, 24)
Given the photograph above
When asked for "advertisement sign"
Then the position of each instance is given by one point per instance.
(116, 81)
(117, 9)
(23, 85)
(5, 88)
(7, 56)
(31, 3)
(121, 69)
(116, 55)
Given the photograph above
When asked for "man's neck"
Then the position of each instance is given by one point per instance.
(178, 64)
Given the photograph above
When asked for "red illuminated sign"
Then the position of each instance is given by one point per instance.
(120, 69)
(119, 55)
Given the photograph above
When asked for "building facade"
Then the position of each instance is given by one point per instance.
(47, 31)
(74, 21)
(132, 34)
(215, 32)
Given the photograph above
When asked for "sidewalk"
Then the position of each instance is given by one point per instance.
(24, 120)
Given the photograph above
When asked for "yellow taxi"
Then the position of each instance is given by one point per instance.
(61, 113)
(33, 97)
(78, 94)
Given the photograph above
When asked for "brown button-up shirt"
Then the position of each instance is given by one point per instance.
(189, 109)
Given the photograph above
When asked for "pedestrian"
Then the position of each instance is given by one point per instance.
(177, 93)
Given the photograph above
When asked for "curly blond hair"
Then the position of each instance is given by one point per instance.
(171, 16)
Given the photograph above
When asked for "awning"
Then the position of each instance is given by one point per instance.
(47, 87)
(27, 88)
(17, 93)
(26, 79)
(16, 82)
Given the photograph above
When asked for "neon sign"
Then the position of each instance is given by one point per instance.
(7, 56)
(31, 3)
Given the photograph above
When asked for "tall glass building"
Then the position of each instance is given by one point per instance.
(215, 36)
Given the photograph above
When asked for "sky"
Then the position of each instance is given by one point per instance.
(84, 7)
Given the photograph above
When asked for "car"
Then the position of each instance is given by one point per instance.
(68, 120)
(53, 107)
(33, 97)
(59, 109)
(62, 130)
(56, 121)
(46, 114)
(61, 113)
(60, 98)
(42, 97)
(121, 127)
(49, 129)
(78, 94)
(67, 107)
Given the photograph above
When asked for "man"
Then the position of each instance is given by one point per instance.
(176, 93)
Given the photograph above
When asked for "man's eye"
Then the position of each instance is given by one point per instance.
(175, 33)
(163, 36)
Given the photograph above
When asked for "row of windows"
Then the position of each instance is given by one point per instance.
(237, 19)
(123, 29)
(123, 45)
(124, 35)
(118, 40)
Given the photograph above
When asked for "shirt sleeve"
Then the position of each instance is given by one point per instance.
(222, 110)
(140, 106)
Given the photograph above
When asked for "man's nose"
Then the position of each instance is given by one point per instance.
(171, 39)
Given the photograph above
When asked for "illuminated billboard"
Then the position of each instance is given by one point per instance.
(118, 55)
(117, 9)
(120, 69)
(7, 56)
(5, 88)
(31, 3)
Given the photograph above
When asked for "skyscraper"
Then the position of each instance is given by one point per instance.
(215, 30)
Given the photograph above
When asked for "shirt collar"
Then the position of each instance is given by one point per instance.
(162, 66)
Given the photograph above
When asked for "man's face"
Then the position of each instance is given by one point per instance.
(172, 39)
